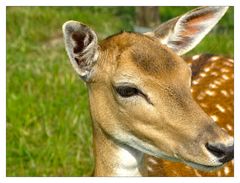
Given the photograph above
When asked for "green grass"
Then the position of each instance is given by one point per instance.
(48, 123)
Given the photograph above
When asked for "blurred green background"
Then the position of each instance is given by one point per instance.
(48, 122)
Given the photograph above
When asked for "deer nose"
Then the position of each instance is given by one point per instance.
(222, 152)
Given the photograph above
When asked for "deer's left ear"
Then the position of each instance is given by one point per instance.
(183, 33)
(82, 47)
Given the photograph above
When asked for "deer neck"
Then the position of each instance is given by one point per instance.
(113, 158)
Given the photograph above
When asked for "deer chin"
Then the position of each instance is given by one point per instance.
(202, 166)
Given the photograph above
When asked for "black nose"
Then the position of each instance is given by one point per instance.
(224, 153)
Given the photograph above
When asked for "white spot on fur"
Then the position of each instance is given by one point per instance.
(217, 82)
(230, 60)
(149, 169)
(153, 161)
(202, 74)
(220, 108)
(224, 76)
(195, 57)
(226, 170)
(225, 93)
(214, 117)
(214, 58)
(227, 64)
(203, 105)
(194, 82)
(206, 69)
(201, 95)
(212, 85)
(210, 93)
(229, 127)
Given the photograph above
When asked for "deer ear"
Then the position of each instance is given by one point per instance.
(183, 33)
(81, 46)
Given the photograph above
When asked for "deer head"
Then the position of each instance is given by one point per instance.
(139, 89)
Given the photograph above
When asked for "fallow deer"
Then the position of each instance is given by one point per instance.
(140, 96)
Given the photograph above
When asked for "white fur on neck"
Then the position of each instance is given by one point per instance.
(130, 161)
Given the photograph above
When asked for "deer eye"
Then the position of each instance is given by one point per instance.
(126, 91)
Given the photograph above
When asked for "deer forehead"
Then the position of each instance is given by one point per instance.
(137, 53)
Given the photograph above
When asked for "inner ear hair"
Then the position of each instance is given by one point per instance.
(82, 48)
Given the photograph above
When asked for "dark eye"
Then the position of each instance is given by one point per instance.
(126, 91)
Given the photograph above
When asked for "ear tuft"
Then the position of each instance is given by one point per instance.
(81, 46)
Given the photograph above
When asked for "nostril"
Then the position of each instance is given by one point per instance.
(224, 153)
(215, 150)
(229, 151)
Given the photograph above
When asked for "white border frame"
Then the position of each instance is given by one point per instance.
(5, 3)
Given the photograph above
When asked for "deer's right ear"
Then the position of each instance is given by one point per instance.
(81, 46)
